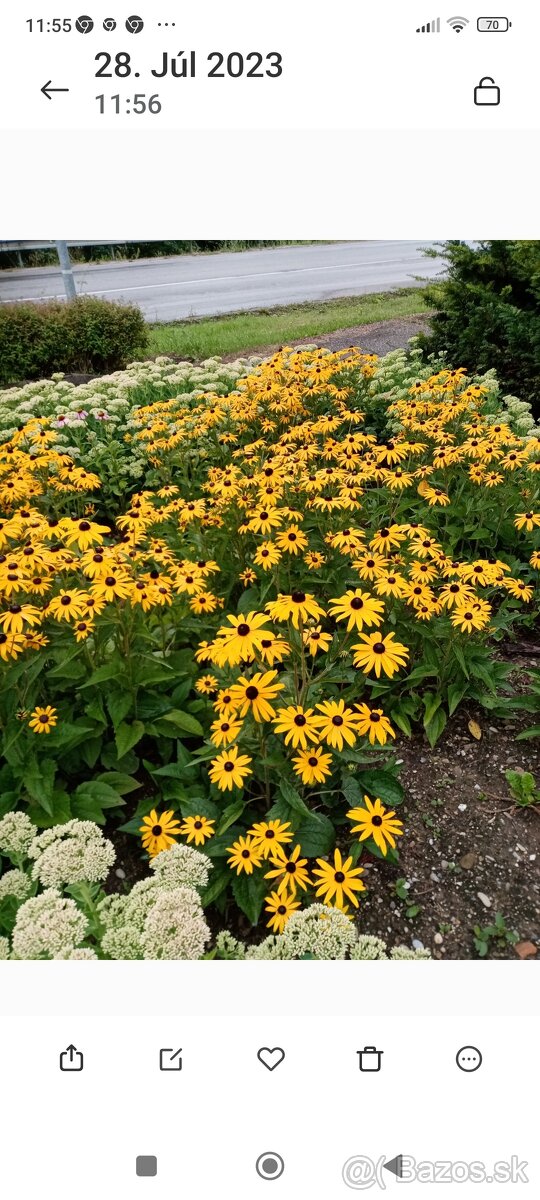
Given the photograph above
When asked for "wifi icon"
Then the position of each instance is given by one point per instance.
(458, 23)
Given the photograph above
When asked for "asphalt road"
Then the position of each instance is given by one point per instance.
(172, 289)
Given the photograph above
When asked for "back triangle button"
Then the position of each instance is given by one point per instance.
(395, 1165)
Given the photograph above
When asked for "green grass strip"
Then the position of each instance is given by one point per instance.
(248, 331)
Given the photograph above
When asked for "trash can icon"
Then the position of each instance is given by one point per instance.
(370, 1058)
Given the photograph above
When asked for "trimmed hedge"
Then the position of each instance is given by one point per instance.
(488, 313)
(86, 335)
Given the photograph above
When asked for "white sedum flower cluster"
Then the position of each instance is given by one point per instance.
(92, 419)
(16, 834)
(75, 852)
(320, 932)
(161, 917)
(181, 865)
(175, 927)
(316, 932)
(48, 926)
(15, 883)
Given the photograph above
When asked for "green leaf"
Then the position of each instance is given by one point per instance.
(111, 670)
(70, 669)
(39, 781)
(293, 798)
(127, 736)
(456, 692)
(526, 734)
(351, 789)
(184, 721)
(249, 600)
(391, 856)
(220, 880)
(402, 721)
(96, 711)
(119, 705)
(382, 784)
(485, 675)
(122, 783)
(249, 892)
(420, 673)
(128, 764)
(198, 806)
(431, 702)
(460, 657)
(9, 908)
(8, 802)
(91, 799)
(60, 811)
(230, 815)
(316, 836)
(435, 727)
(57, 672)
(150, 670)
(66, 736)
(90, 751)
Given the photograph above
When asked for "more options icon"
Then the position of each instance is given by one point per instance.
(469, 1058)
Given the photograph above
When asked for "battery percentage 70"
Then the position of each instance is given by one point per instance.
(493, 24)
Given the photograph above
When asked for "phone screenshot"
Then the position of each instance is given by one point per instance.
(269, 600)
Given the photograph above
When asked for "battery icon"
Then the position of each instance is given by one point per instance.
(493, 24)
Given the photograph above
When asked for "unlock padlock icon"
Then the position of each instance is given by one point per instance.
(487, 92)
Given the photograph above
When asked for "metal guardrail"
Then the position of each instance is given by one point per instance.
(14, 246)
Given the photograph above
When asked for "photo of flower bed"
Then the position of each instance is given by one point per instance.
(231, 595)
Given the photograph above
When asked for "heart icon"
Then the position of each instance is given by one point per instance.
(271, 1058)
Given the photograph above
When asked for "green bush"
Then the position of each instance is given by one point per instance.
(488, 313)
(85, 335)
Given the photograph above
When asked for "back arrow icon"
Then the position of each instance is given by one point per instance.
(395, 1165)
(47, 89)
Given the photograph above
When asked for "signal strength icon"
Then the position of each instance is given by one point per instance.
(431, 26)
(458, 23)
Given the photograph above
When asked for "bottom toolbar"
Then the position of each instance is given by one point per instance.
(213, 1106)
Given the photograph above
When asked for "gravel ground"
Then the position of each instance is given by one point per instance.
(468, 853)
(378, 338)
